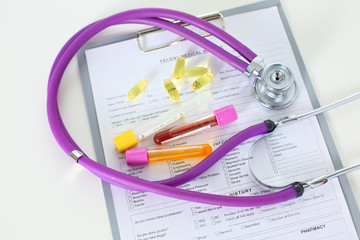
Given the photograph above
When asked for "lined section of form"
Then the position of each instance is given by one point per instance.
(296, 150)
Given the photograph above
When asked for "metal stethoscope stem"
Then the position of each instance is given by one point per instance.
(317, 111)
(325, 178)
(293, 118)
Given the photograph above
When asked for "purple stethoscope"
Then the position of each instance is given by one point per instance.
(274, 87)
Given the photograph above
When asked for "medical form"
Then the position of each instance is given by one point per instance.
(114, 68)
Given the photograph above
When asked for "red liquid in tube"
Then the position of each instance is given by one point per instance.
(220, 117)
(184, 130)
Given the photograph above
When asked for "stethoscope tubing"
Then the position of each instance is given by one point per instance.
(85, 34)
(157, 13)
(164, 187)
(133, 183)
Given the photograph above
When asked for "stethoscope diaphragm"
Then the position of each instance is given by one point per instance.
(276, 88)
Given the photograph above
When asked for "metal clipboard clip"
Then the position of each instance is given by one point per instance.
(144, 37)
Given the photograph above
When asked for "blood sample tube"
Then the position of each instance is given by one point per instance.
(143, 156)
(131, 137)
(219, 117)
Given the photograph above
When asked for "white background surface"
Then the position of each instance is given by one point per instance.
(44, 195)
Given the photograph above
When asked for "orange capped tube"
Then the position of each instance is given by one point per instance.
(142, 156)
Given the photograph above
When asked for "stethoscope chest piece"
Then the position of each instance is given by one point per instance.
(276, 88)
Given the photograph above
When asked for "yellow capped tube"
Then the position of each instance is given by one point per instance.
(143, 156)
(130, 138)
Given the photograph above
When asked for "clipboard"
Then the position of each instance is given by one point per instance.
(100, 156)
(211, 17)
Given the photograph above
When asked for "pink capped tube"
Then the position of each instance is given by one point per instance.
(219, 117)
(143, 156)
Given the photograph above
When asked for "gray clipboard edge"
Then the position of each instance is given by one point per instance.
(344, 182)
(95, 130)
(349, 196)
(335, 157)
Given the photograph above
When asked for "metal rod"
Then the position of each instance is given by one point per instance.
(343, 171)
(293, 118)
(329, 106)
(325, 178)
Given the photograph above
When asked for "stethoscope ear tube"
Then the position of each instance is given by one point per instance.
(162, 187)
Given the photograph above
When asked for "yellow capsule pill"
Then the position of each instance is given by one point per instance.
(202, 81)
(171, 89)
(179, 67)
(195, 71)
(137, 89)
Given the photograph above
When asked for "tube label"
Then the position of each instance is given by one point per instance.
(186, 134)
(161, 125)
